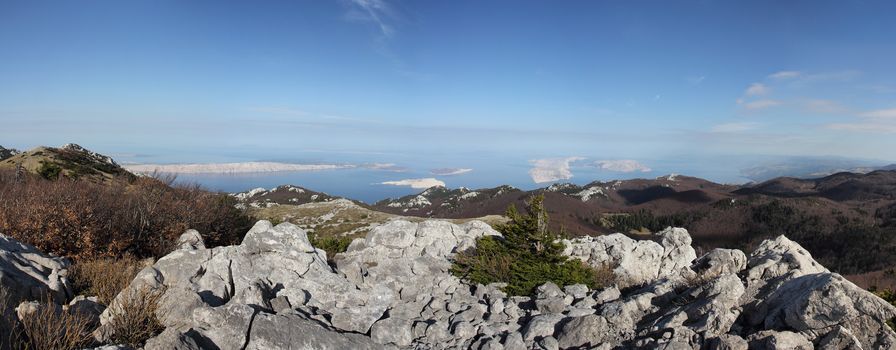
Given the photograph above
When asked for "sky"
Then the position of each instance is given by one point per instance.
(525, 92)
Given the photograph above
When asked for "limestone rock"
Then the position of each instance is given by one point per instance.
(292, 331)
(771, 340)
(582, 331)
(394, 289)
(635, 262)
(171, 339)
(190, 239)
(787, 289)
(719, 262)
(28, 274)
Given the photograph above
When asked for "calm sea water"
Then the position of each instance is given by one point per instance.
(366, 184)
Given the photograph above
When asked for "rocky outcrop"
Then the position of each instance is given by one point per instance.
(28, 274)
(636, 262)
(393, 289)
(7, 152)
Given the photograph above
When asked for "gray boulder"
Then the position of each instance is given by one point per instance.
(172, 339)
(583, 331)
(720, 262)
(787, 289)
(292, 331)
(190, 240)
(772, 340)
(394, 289)
(29, 274)
(636, 262)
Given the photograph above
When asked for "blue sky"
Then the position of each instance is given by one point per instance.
(698, 87)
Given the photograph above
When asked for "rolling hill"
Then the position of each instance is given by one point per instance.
(71, 161)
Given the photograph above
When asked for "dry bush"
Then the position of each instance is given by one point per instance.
(104, 277)
(85, 219)
(604, 276)
(7, 318)
(134, 317)
(50, 327)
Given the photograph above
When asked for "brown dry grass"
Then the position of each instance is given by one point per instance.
(135, 317)
(50, 327)
(104, 277)
(84, 219)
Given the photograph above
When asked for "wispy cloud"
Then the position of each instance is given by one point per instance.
(733, 127)
(823, 106)
(293, 113)
(279, 111)
(450, 171)
(880, 114)
(695, 80)
(758, 95)
(754, 98)
(865, 126)
(832, 76)
(622, 166)
(876, 121)
(784, 75)
(760, 104)
(757, 89)
(416, 183)
(375, 11)
(231, 168)
(551, 169)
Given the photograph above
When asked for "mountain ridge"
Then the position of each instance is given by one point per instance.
(69, 160)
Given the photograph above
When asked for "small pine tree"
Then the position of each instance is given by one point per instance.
(527, 255)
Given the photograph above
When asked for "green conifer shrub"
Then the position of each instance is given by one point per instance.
(528, 255)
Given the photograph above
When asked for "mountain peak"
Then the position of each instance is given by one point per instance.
(70, 160)
(100, 158)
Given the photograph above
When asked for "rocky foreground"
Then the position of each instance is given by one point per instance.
(392, 290)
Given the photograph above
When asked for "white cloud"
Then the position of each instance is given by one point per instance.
(760, 104)
(695, 80)
(385, 167)
(757, 89)
(865, 126)
(551, 169)
(622, 166)
(416, 183)
(784, 75)
(823, 106)
(228, 168)
(372, 11)
(881, 114)
(285, 111)
(877, 121)
(450, 171)
(733, 127)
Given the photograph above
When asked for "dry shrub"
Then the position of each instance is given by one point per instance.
(604, 275)
(86, 219)
(50, 327)
(104, 277)
(7, 318)
(134, 317)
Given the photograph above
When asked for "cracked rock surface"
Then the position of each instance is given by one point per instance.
(393, 290)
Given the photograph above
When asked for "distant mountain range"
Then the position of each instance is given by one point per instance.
(846, 220)
(810, 167)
